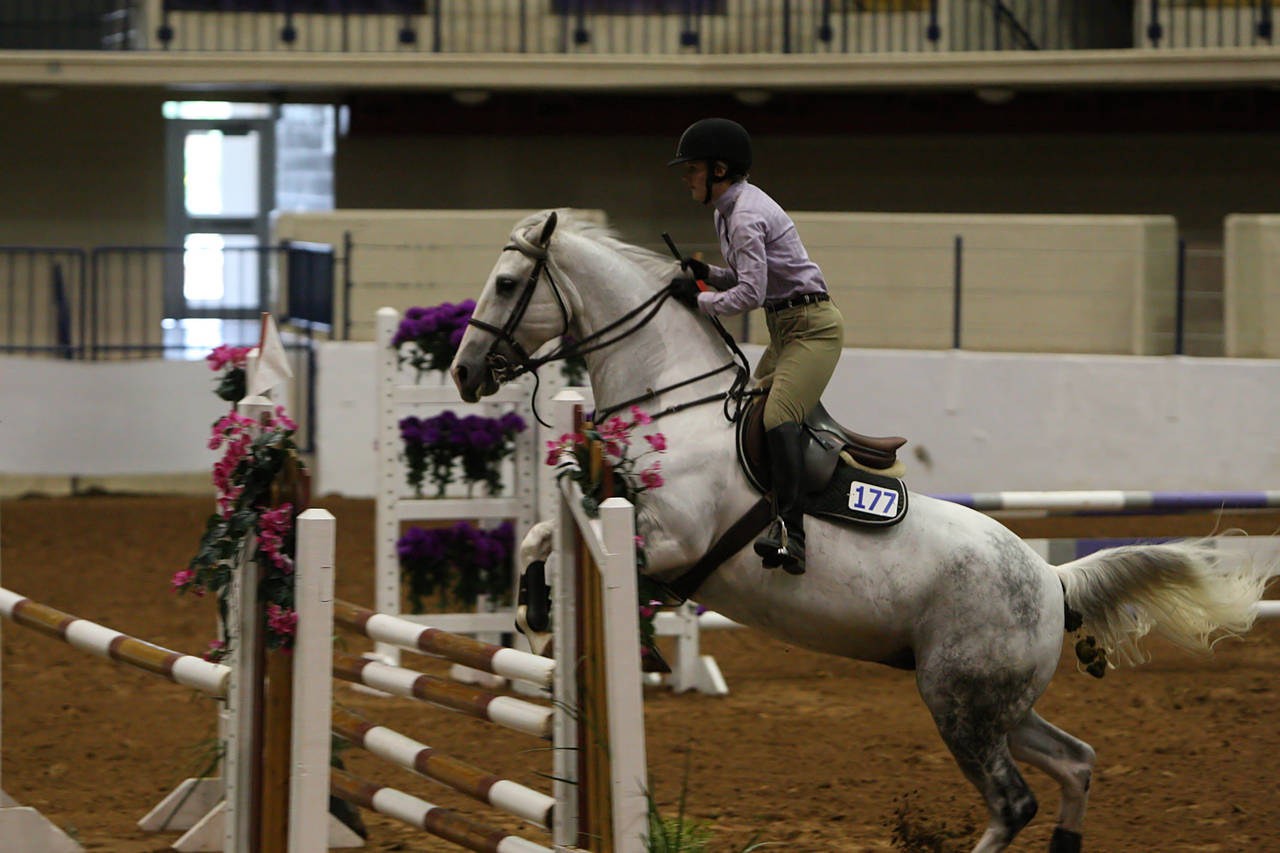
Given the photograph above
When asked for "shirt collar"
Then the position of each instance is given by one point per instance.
(725, 203)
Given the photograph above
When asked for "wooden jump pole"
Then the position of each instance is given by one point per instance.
(506, 711)
(187, 670)
(442, 823)
(487, 657)
(523, 802)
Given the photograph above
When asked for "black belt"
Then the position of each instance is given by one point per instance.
(792, 302)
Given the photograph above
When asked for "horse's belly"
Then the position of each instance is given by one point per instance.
(828, 609)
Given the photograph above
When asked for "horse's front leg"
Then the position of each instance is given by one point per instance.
(533, 605)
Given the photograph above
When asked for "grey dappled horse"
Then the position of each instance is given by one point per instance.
(949, 592)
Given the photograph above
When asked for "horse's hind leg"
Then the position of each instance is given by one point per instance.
(974, 716)
(1069, 762)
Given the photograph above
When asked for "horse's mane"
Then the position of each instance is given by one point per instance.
(574, 221)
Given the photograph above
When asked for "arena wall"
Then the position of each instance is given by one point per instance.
(976, 421)
(85, 167)
(87, 419)
(1251, 300)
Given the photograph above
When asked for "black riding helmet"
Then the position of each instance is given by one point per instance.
(713, 139)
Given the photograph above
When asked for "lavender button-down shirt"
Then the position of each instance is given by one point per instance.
(766, 259)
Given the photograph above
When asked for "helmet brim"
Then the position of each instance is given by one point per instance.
(677, 161)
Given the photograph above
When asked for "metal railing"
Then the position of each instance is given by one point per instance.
(634, 26)
(113, 303)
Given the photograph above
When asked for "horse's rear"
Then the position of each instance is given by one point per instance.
(979, 616)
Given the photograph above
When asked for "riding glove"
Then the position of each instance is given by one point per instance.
(698, 269)
(686, 291)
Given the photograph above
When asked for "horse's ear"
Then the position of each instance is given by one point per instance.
(548, 228)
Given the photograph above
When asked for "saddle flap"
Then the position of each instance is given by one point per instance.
(828, 439)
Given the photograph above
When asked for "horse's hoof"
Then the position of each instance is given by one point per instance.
(1065, 841)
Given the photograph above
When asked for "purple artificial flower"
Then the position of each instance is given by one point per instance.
(420, 544)
(512, 423)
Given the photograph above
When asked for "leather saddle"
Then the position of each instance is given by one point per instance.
(827, 442)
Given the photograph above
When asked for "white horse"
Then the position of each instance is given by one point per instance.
(947, 592)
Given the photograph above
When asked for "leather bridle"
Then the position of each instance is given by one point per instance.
(504, 369)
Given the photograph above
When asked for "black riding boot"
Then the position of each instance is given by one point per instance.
(783, 544)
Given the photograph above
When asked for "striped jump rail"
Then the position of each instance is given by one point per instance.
(504, 662)
(442, 823)
(187, 670)
(510, 797)
(506, 711)
(1114, 501)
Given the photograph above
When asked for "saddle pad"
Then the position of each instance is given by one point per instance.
(860, 497)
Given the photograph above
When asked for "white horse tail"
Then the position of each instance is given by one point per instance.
(1190, 591)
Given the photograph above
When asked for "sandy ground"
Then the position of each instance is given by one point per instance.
(810, 752)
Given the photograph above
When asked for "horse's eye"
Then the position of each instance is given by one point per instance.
(506, 284)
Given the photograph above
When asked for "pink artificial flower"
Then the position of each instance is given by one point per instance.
(554, 449)
(657, 441)
(563, 446)
(227, 355)
(615, 429)
(217, 651)
(641, 419)
(281, 621)
(646, 612)
(182, 578)
(284, 420)
(650, 476)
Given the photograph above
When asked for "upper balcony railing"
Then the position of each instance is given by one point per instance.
(645, 27)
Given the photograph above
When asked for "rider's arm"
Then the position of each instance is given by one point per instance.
(721, 278)
(747, 247)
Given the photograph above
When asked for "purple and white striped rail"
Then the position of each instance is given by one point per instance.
(511, 797)
(506, 711)
(507, 663)
(443, 823)
(1114, 501)
(187, 670)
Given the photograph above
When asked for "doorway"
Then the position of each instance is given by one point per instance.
(220, 190)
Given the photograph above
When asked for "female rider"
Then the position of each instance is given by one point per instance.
(769, 267)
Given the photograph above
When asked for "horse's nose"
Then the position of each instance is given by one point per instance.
(466, 389)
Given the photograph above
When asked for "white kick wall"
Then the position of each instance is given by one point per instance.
(976, 421)
(75, 418)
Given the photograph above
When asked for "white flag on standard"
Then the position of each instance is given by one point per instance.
(272, 366)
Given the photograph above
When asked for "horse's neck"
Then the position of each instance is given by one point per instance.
(671, 347)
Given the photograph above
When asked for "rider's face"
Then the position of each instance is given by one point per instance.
(695, 178)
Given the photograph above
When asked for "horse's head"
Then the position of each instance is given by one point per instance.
(519, 310)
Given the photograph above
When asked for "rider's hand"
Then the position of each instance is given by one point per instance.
(686, 290)
(698, 269)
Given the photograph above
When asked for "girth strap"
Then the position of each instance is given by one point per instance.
(742, 532)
